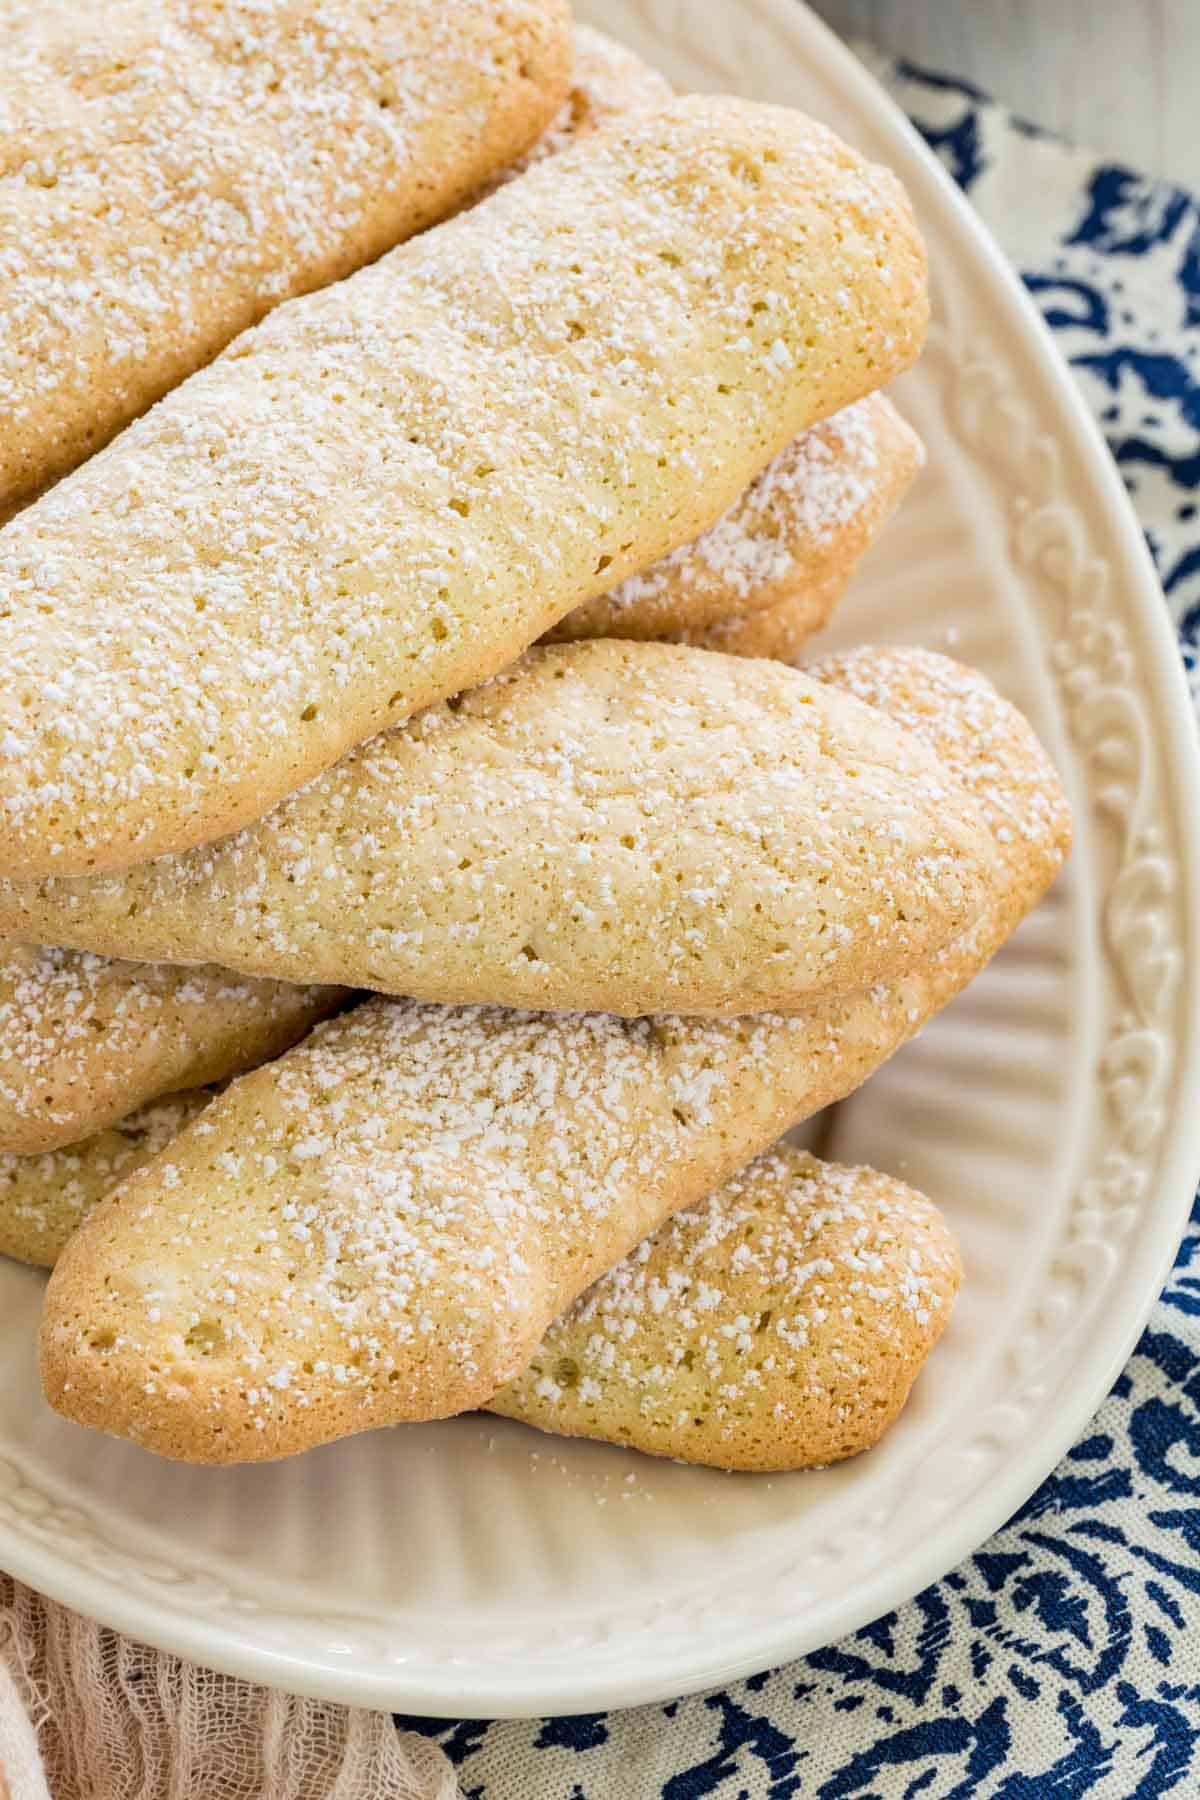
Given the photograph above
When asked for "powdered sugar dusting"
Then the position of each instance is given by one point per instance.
(170, 171)
(823, 478)
(754, 1326)
(424, 1189)
(778, 841)
(381, 493)
(45, 1197)
(84, 1040)
(786, 547)
(970, 728)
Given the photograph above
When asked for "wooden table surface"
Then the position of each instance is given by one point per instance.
(1118, 76)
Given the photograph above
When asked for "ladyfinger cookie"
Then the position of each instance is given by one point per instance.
(381, 494)
(383, 1224)
(176, 169)
(45, 1197)
(786, 547)
(780, 1324)
(776, 841)
(83, 1040)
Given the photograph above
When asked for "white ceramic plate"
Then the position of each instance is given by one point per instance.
(475, 1568)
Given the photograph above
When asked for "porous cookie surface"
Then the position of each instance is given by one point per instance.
(609, 826)
(83, 1040)
(175, 169)
(780, 1324)
(991, 748)
(45, 1197)
(770, 570)
(383, 492)
(790, 541)
(382, 1225)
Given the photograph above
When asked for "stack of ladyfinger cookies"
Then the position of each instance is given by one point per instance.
(429, 893)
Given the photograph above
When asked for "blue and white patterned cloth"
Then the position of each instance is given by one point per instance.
(1064, 1658)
